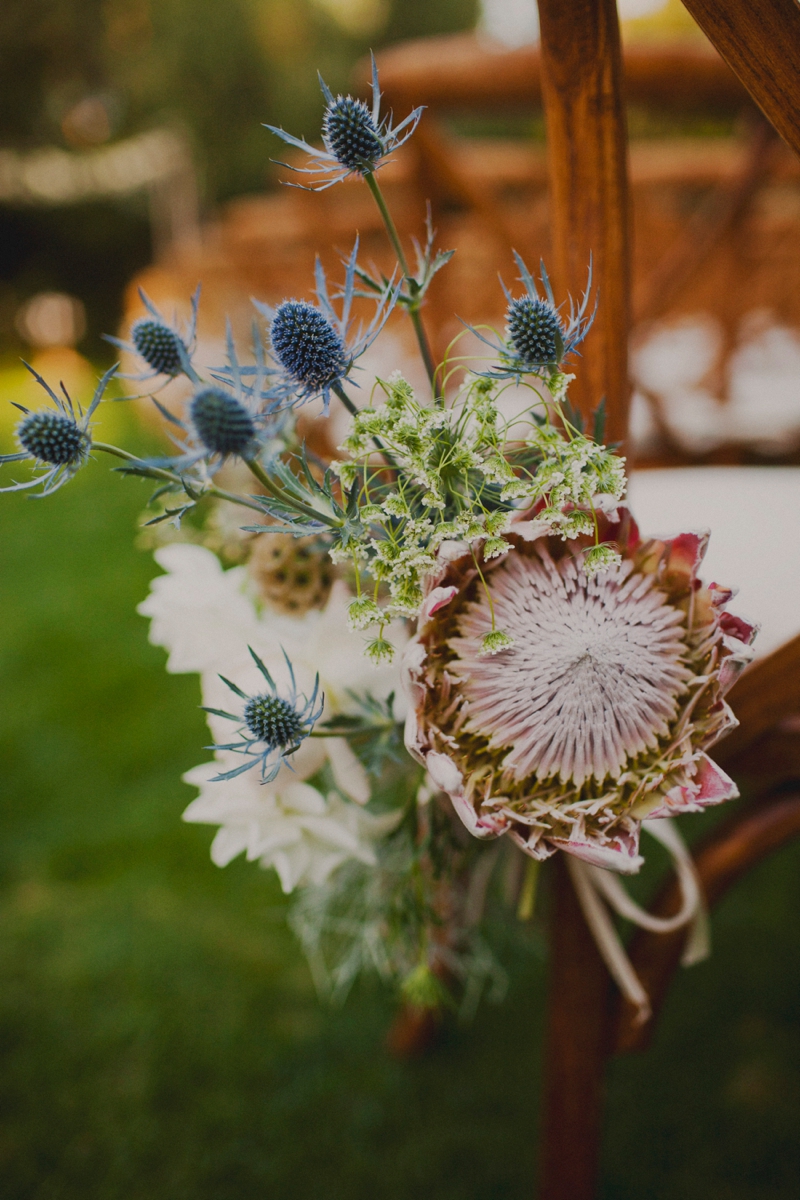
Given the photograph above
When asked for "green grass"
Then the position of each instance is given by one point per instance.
(159, 1034)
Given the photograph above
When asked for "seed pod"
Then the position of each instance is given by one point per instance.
(292, 574)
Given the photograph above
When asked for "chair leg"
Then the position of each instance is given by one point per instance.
(576, 1048)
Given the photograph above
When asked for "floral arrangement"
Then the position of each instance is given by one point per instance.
(441, 655)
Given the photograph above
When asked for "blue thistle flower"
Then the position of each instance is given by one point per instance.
(272, 727)
(222, 424)
(225, 420)
(306, 344)
(164, 349)
(58, 441)
(351, 135)
(313, 343)
(355, 137)
(53, 438)
(158, 345)
(273, 720)
(538, 339)
(535, 332)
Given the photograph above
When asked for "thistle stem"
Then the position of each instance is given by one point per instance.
(278, 494)
(413, 311)
(153, 472)
(171, 477)
(232, 498)
(255, 467)
(339, 391)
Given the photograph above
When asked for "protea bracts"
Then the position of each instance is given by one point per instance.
(601, 711)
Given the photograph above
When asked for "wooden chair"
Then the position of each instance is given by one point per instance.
(583, 96)
(490, 194)
(739, 191)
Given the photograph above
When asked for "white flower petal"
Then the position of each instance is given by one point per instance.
(230, 841)
(348, 772)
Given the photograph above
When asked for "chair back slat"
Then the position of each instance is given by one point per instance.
(761, 43)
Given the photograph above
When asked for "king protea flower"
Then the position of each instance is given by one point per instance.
(600, 711)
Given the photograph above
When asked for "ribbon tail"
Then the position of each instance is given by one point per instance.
(698, 943)
(597, 888)
(607, 939)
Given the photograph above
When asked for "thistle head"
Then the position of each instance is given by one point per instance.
(53, 437)
(274, 721)
(306, 344)
(535, 331)
(351, 134)
(223, 425)
(158, 345)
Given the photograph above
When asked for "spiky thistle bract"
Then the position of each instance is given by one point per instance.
(56, 440)
(314, 344)
(271, 727)
(538, 339)
(356, 139)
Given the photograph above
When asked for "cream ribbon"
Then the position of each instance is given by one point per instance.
(598, 890)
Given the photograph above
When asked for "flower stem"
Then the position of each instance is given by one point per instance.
(527, 899)
(413, 310)
(339, 391)
(277, 493)
(172, 477)
(153, 472)
(485, 588)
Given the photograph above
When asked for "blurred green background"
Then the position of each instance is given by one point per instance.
(215, 69)
(159, 1033)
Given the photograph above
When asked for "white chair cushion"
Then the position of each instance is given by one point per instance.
(753, 514)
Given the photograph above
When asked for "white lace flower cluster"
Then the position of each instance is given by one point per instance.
(205, 618)
(576, 478)
(442, 460)
(457, 475)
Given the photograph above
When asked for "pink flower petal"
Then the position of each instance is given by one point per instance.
(534, 845)
(720, 595)
(683, 556)
(738, 627)
(715, 785)
(530, 531)
(733, 664)
(620, 853)
(710, 786)
(446, 775)
(436, 599)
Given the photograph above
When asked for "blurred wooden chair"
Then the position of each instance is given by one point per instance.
(583, 88)
(716, 219)
(695, 202)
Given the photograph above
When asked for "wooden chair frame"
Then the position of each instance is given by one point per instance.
(582, 88)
